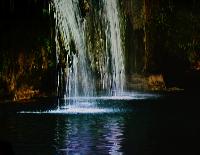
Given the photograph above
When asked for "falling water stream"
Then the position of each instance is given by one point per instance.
(114, 46)
(70, 30)
(77, 78)
(72, 50)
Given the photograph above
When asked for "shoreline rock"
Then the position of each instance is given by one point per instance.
(152, 83)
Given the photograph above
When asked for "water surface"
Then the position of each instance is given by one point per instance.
(164, 125)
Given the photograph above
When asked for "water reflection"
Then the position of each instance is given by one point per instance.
(89, 134)
(153, 127)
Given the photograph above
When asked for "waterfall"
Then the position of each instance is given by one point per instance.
(76, 73)
(114, 46)
(71, 50)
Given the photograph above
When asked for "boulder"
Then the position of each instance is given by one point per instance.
(156, 82)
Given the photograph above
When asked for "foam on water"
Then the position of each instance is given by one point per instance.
(93, 105)
(76, 110)
(122, 96)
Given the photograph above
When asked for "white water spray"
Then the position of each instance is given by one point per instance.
(70, 29)
(74, 62)
(114, 46)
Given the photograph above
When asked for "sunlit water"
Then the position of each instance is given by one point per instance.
(150, 125)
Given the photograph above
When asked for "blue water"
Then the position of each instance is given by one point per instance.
(150, 125)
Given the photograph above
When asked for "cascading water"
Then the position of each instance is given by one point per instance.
(75, 63)
(71, 50)
(114, 46)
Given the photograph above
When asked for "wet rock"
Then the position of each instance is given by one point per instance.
(156, 82)
(84, 7)
(25, 93)
(73, 48)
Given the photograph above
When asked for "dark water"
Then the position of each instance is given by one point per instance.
(164, 125)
